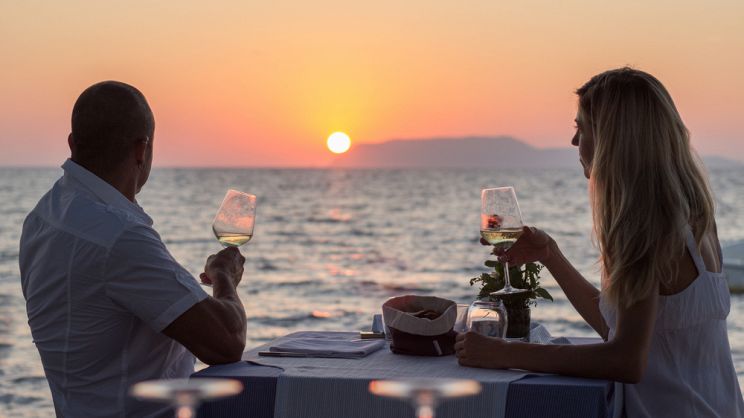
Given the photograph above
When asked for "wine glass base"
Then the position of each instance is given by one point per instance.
(433, 388)
(425, 394)
(193, 389)
(510, 291)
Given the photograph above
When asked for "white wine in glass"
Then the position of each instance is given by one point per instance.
(503, 238)
(228, 239)
(501, 225)
(233, 224)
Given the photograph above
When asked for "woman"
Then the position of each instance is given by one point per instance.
(663, 304)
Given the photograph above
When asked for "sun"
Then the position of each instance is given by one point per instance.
(338, 142)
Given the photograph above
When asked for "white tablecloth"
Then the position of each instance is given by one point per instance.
(323, 388)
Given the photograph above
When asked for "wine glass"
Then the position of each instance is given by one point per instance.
(501, 225)
(185, 394)
(425, 394)
(233, 224)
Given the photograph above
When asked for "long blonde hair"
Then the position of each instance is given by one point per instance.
(648, 185)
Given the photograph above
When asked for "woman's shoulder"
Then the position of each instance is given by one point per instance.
(701, 257)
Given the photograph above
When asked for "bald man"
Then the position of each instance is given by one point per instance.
(107, 304)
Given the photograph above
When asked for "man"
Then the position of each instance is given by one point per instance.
(107, 304)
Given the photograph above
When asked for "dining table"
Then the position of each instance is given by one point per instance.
(309, 387)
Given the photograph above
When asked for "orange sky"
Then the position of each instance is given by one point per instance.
(263, 83)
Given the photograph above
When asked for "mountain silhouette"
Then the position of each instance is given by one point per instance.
(476, 151)
(472, 151)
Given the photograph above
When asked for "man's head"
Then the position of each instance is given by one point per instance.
(112, 130)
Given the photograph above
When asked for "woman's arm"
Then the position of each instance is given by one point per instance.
(583, 295)
(536, 245)
(623, 358)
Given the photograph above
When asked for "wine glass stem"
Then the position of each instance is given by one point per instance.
(185, 411)
(425, 411)
(507, 282)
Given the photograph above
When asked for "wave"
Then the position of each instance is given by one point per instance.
(8, 256)
(299, 283)
(189, 241)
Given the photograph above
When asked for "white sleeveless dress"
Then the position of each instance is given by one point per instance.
(690, 372)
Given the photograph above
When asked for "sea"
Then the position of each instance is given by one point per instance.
(331, 245)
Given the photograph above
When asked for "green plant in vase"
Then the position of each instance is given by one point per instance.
(517, 305)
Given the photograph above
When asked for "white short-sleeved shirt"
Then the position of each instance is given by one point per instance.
(100, 286)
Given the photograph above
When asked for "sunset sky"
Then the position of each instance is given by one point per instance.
(249, 83)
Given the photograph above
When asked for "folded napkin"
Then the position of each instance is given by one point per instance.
(327, 346)
(540, 335)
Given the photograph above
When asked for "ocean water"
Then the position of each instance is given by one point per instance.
(330, 246)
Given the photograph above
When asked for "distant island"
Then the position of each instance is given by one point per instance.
(474, 151)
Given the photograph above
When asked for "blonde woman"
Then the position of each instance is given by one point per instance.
(663, 304)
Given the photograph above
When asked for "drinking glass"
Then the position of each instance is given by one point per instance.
(185, 394)
(462, 318)
(501, 225)
(233, 224)
(487, 317)
(425, 394)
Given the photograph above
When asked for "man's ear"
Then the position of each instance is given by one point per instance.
(70, 142)
(140, 151)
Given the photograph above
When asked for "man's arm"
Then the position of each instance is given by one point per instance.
(214, 330)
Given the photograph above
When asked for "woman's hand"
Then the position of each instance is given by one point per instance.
(476, 350)
(533, 245)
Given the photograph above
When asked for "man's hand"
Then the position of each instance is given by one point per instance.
(476, 350)
(214, 329)
(227, 263)
(533, 245)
